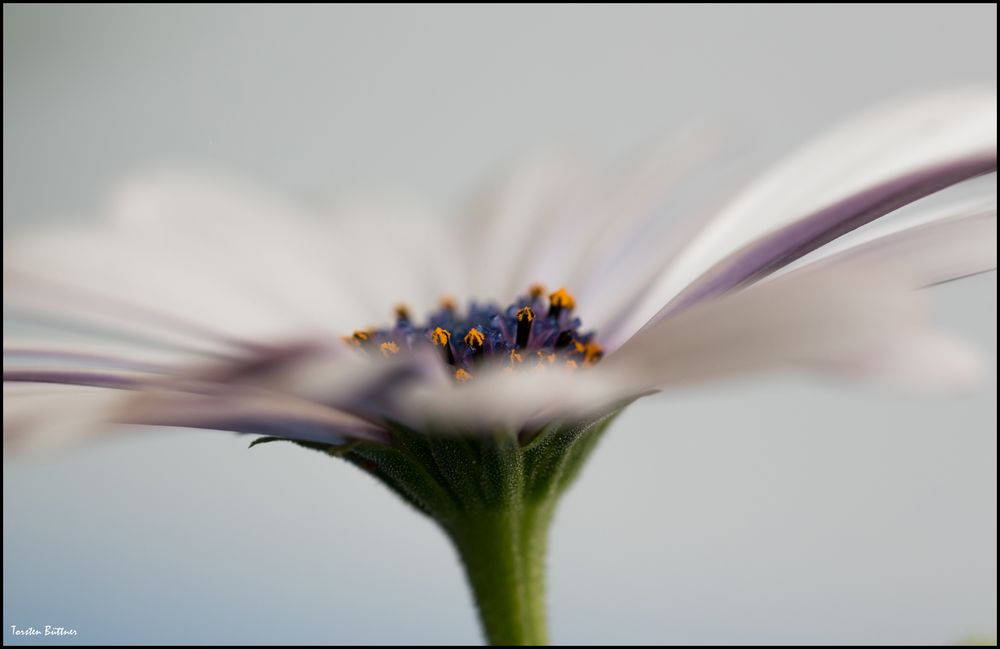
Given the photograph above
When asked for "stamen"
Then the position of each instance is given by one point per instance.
(592, 353)
(564, 339)
(560, 300)
(442, 338)
(493, 336)
(359, 337)
(524, 319)
(474, 338)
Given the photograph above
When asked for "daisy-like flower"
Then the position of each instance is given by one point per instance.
(472, 366)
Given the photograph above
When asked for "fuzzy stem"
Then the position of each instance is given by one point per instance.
(494, 496)
(504, 557)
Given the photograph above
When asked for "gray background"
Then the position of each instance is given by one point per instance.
(777, 510)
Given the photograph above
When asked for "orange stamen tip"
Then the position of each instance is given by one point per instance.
(474, 338)
(536, 290)
(388, 349)
(462, 376)
(526, 314)
(360, 336)
(402, 312)
(592, 353)
(515, 357)
(562, 299)
(447, 303)
(440, 336)
(547, 358)
(571, 364)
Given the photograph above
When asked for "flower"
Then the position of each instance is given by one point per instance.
(205, 304)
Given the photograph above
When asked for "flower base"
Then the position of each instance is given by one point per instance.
(494, 495)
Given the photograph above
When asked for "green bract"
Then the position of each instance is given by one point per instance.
(494, 496)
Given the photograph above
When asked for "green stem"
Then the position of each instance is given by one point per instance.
(494, 497)
(503, 552)
(535, 522)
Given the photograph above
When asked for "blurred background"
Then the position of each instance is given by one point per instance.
(774, 511)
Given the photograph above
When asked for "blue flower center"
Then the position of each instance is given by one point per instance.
(533, 332)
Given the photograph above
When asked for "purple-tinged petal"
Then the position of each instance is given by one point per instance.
(850, 176)
(781, 248)
(67, 356)
(91, 378)
(87, 305)
(957, 244)
(38, 415)
(251, 412)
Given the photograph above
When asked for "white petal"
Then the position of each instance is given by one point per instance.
(184, 249)
(44, 417)
(88, 377)
(249, 411)
(506, 222)
(920, 361)
(409, 257)
(801, 318)
(892, 143)
(925, 250)
(558, 223)
(493, 400)
(257, 397)
(302, 391)
(347, 380)
(271, 256)
(85, 357)
(646, 218)
(599, 225)
(61, 308)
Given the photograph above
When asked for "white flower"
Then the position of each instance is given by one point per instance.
(206, 304)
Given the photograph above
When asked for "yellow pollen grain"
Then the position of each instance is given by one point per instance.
(536, 290)
(462, 376)
(440, 336)
(474, 338)
(562, 299)
(526, 314)
(388, 349)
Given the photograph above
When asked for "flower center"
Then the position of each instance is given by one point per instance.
(532, 332)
